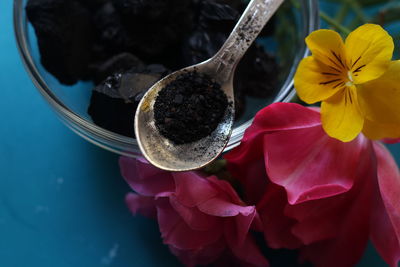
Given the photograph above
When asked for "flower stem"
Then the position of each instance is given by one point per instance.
(358, 11)
(342, 13)
(333, 23)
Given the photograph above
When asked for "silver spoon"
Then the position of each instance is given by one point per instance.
(163, 153)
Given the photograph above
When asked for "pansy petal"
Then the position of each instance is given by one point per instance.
(327, 47)
(369, 50)
(387, 215)
(380, 99)
(341, 116)
(376, 131)
(315, 81)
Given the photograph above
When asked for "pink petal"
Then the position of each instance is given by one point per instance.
(144, 178)
(242, 225)
(257, 223)
(317, 220)
(383, 235)
(277, 226)
(193, 189)
(222, 208)
(249, 216)
(252, 176)
(202, 256)
(284, 116)
(311, 165)
(167, 217)
(352, 222)
(183, 237)
(177, 233)
(237, 229)
(321, 219)
(249, 253)
(246, 161)
(225, 189)
(275, 117)
(145, 206)
(386, 221)
(194, 218)
(345, 250)
(298, 153)
(391, 141)
(389, 184)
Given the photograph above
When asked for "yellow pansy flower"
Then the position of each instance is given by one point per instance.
(357, 82)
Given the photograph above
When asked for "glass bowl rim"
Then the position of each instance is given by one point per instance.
(117, 143)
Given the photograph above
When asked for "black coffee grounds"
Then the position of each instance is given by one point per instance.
(136, 40)
(189, 108)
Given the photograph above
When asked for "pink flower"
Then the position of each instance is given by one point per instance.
(201, 219)
(317, 194)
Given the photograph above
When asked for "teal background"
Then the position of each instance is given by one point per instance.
(61, 198)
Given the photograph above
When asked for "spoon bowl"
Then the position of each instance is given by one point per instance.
(162, 152)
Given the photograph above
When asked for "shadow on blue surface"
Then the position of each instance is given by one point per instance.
(61, 198)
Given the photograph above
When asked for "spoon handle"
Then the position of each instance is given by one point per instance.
(251, 23)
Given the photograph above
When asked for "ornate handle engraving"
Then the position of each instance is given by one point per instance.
(256, 15)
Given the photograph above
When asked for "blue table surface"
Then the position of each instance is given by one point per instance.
(61, 198)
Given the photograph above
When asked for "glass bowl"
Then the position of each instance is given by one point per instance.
(70, 102)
